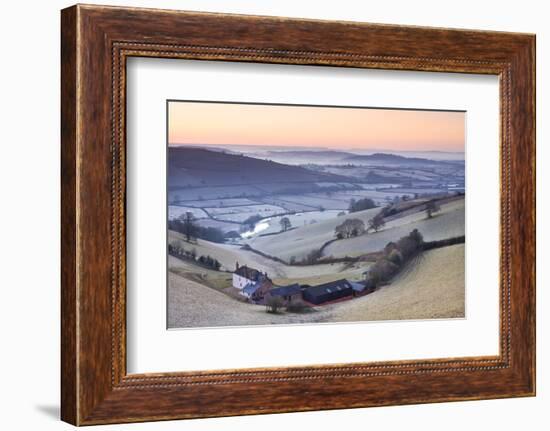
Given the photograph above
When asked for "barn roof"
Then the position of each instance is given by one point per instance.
(331, 287)
(291, 289)
(358, 287)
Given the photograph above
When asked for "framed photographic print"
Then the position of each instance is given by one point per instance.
(325, 214)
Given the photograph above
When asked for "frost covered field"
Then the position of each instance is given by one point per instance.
(333, 215)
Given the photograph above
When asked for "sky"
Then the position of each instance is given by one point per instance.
(320, 127)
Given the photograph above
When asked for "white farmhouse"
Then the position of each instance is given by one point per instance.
(251, 283)
(244, 275)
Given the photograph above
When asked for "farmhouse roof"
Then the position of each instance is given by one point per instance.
(333, 286)
(249, 273)
(289, 290)
(250, 288)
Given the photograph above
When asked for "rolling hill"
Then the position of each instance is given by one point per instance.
(386, 159)
(300, 241)
(449, 222)
(432, 286)
(192, 166)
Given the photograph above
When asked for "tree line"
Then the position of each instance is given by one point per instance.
(395, 256)
(355, 227)
(361, 205)
(186, 225)
(176, 249)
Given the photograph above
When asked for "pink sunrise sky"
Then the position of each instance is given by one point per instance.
(306, 126)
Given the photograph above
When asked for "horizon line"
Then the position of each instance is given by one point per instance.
(312, 149)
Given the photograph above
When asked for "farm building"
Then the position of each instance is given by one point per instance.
(328, 292)
(245, 275)
(253, 284)
(287, 293)
(363, 287)
(256, 291)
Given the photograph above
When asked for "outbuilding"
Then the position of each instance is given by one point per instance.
(328, 292)
(287, 293)
(363, 287)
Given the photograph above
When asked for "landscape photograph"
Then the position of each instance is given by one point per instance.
(283, 214)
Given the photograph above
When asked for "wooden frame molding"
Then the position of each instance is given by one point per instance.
(95, 42)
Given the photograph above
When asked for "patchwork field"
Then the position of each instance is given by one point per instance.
(220, 203)
(241, 213)
(176, 211)
(244, 196)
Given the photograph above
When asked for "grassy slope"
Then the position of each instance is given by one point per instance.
(192, 305)
(228, 255)
(299, 242)
(432, 286)
(445, 224)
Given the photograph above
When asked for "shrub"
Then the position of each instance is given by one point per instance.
(407, 246)
(416, 236)
(390, 246)
(297, 306)
(176, 247)
(411, 244)
(396, 257)
(383, 269)
(273, 304)
(312, 257)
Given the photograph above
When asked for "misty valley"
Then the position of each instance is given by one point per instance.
(267, 235)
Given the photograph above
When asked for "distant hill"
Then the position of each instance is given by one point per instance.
(394, 159)
(303, 157)
(199, 167)
(208, 148)
(315, 154)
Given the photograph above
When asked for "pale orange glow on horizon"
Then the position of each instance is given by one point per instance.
(306, 126)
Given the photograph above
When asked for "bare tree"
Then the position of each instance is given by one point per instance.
(285, 224)
(350, 228)
(377, 222)
(189, 226)
(273, 304)
(432, 207)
